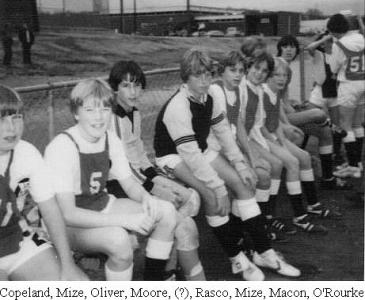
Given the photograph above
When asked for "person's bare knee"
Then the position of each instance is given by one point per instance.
(305, 160)
(118, 248)
(186, 234)
(167, 215)
(276, 168)
(264, 180)
(318, 115)
(291, 164)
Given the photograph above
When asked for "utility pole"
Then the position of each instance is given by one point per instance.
(189, 15)
(64, 6)
(135, 15)
(121, 25)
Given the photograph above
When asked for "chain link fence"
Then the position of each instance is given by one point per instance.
(47, 112)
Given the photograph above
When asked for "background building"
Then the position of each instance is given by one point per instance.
(273, 23)
(17, 12)
(149, 18)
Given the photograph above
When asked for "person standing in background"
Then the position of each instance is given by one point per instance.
(7, 41)
(26, 37)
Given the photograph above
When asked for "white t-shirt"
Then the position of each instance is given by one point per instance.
(62, 157)
(28, 172)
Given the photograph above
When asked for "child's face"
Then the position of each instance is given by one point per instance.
(11, 130)
(128, 92)
(258, 73)
(288, 52)
(93, 119)
(278, 80)
(199, 84)
(232, 75)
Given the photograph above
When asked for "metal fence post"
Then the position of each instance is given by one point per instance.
(50, 114)
(302, 75)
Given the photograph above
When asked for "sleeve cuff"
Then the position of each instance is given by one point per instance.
(148, 185)
(150, 173)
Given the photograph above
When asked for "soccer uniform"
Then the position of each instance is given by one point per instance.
(230, 104)
(271, 104)
(347, 60)
(181, 133)
(324, 92)
(127, 125)
(253, 112)
(82, 168)
(26, 181)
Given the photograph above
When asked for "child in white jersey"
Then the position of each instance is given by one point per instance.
(324, 96)
(82, 159)
(127, 81)
(348, 62)
(24, 254)
(297, 162)
(312, 121)
(227, 93)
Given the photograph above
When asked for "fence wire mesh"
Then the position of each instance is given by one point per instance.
(161, 84)
(37, 105)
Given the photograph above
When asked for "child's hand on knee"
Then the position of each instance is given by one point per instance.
(141, 223)
(165, 193)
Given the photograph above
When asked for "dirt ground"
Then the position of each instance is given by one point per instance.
(61, 56)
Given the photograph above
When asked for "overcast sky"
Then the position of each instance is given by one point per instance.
(326, 6)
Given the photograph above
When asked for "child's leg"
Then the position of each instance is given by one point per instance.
(224, 227)
(308, 181)
(359, 131)
(40, 262)
(245, 204)
(314, 115)
(306, 171)
(291, 163)
(347, 115)
(112, 241)
(187, 244)
(252, 221)
(160, 242)
(334, 114)
(263, 172)
(276, 166)
(337, 132)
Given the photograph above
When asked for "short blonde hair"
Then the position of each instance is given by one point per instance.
(96, 88)
(194, 62)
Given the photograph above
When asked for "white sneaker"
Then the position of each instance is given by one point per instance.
(348, 171)
(250, 272)
(271, 260)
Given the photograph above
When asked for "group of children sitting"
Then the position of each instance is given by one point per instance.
(221, 141)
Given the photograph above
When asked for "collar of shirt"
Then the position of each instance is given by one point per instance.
(120, 112)
(255, 88)
(270, 93)
(184, 88)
